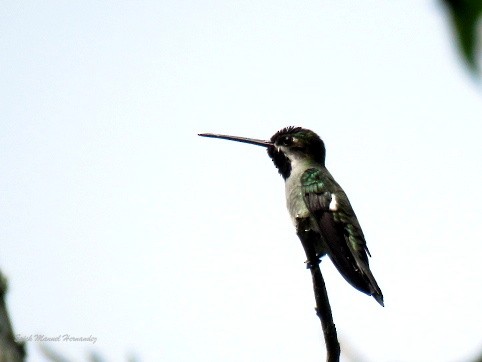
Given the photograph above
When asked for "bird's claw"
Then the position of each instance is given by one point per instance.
(309, 265)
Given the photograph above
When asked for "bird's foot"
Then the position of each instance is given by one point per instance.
(310, 265)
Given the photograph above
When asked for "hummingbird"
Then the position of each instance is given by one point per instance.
(318, 206)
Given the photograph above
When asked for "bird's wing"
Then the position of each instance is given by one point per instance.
(340, 230)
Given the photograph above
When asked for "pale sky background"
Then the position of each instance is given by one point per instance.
(119, 222)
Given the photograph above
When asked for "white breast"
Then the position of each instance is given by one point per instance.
(294, 197)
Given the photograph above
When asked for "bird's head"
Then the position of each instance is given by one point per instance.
(287, 147)
(297, 144)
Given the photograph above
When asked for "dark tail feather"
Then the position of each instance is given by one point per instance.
(375, 290)
(379, 298)
(360, 278)
(351, 267)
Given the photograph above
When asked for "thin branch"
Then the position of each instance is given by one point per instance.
(323, 309)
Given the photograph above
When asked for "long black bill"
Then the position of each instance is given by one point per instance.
(251, 141)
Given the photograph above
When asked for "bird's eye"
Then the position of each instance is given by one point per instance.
(287, 141)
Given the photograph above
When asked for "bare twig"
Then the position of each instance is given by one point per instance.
(323, 309)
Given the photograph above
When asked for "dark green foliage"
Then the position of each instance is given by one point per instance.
(464, 15)
(10, 349)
